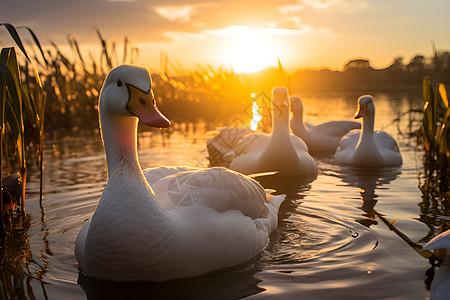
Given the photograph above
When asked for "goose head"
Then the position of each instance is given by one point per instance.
(280, 103)
(366, 107)
(296, 105)
(127, 92)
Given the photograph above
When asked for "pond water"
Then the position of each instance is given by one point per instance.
(330, 243)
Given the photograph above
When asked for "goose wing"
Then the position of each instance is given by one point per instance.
(154, 174)
(385, 141)
(230, 142)
(216, 188)
(335, 128)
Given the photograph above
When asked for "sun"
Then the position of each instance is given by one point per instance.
(250, 52)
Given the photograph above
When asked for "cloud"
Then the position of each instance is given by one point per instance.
(349, 6)
(158, 20)
(236, 30)
(288, 9)
(181, 13)
(322, 4)
(181, 36)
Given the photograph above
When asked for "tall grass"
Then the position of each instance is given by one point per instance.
(66, 89)
(434, 131)
(65, 94)
(22, 101)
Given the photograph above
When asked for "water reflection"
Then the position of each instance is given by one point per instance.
(18, 267)
(317, 252)
(234, 283)
(368, 181)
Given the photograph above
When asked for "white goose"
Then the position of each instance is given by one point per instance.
(440, 286)
(321, 139)
(251, 152)
(188, 223)
(366, 148)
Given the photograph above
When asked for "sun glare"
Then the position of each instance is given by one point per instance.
(251, 51)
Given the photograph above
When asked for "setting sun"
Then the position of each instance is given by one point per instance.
(249, 49)
(251, 53)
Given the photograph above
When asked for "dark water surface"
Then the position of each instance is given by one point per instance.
(329, 245)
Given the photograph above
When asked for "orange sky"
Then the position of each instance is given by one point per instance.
(247, 35)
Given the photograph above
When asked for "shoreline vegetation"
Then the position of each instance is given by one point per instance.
(71, 81)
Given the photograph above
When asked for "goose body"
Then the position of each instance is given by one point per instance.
(440, 286)
(188, 222)
(251, 152)
(367, 148)
(321, 139)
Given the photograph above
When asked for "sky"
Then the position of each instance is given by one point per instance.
(245, 35)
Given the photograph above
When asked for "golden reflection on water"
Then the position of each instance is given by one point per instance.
(326, 227)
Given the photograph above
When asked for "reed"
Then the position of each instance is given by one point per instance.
(64, 93)
(22, 106)
(433, 133)
(66, 89)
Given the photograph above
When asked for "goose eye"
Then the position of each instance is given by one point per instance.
(119, 82)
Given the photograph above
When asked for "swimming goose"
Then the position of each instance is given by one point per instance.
(256, 152)
(440, 286)
(189, 222)
(321, 139)
(367, 148)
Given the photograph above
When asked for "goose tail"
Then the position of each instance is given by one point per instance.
(274, 203)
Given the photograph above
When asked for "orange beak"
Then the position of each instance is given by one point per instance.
(143, 105)
(361, 112)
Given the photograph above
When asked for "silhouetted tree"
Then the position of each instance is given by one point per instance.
(357, 64)
(397, 64)
(417, 64)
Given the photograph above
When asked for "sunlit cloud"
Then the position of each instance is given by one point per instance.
(322, 4)
(348, 5)
(288, 9)
(296, 22)
(182, 13)
(247, 31)
(182, 36)
(328, 32)
(176, 13)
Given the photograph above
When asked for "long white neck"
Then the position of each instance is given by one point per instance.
(127, 186)
(281, 136)
(120, 140)
(367, 129)
(297, 124)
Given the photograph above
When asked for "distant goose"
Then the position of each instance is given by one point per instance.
(440, 286)
(367, 148)
(251, 152)
(323, 138)
(189, 222)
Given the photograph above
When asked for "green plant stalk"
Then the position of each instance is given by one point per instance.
(41, 154)
(21, 93)
(2, 134)
(10, 73)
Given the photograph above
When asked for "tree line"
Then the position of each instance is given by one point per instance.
(359, 74)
